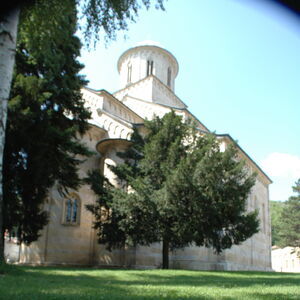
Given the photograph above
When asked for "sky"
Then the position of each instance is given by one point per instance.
(239, 73)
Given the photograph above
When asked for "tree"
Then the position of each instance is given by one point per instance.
(289, 229)
(276, 208)
(110, 15)
(8, 29)
(46, 116)
(178, 188)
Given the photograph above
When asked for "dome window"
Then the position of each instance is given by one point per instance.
(149, 67)
(129, 71)
(169, 77)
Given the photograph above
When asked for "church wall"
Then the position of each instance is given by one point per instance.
(196, 258)
(62, 243)
(92, 101)
(117, 257)
(149, 257)
(145, 109)
(138, 69)
(286, 259)
(152, 90)
(254, 253)
(105, 258)
(163, 95)
(141, 90)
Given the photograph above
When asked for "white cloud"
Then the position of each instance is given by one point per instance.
(282, 165)
(284, 170)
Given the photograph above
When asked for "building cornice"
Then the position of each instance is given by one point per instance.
(105, 144)
(157, 81)
(227, 136)
(117, 101)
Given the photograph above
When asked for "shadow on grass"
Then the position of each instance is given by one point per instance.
(6, 269)
(69, 283)
(214, 278)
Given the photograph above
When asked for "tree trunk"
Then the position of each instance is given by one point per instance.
(165, 254)
(8, 37)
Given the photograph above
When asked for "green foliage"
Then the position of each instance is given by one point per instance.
(276, 208)
(289, 229)
(179, 188)
(46, 115)
(110, 16)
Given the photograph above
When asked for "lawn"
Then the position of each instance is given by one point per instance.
(19, 282)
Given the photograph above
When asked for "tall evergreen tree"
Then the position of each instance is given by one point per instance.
(46, 115)
(289, 229)
(276, 208)
(109, 15)
(178, 188)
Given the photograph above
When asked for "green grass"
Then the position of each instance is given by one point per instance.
(19, 282)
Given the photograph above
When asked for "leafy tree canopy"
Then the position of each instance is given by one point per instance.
(45, 115)
(42, 142)
(46, 112)
(276, 208)
(177, 187)
(289, 226)
(109, 16)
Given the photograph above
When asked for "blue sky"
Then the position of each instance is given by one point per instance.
(239, 73)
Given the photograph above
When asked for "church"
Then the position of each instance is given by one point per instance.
(147, 76)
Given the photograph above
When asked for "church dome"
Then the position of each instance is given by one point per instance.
(144, 60)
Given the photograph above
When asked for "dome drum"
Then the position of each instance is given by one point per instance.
(142, 61)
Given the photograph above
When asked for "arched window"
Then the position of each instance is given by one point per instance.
(169, 77)
(71, 210)
(149, 67)
(129, 71)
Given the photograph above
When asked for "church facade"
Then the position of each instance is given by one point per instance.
(147, 76)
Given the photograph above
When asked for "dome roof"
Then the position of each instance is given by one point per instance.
(152, 47)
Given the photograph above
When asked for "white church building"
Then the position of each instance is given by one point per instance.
(147, 75)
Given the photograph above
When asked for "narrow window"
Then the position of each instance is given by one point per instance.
(74, 211)
(129, 71)
(149, 67)
(71, 211)
(169, 77)
(68, 210)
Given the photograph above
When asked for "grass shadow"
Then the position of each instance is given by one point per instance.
(74, 283)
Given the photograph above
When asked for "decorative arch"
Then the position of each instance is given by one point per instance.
(117, 128)
(105, 124)
(109, 126)
(128, 136)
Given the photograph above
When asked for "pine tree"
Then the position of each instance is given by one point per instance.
(46, 115)
(105, 16)
(178, 189)
(289, 229)
(276, 208)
